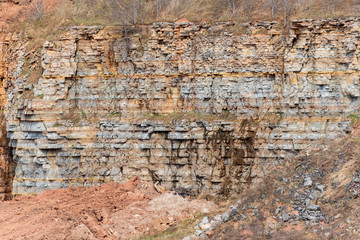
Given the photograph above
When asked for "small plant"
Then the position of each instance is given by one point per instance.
(273, 118)
(76, 120)
(354, 119)
(57, 124)
(172, 118)
(41, 96)
(117, 114)
(140, 49)
(83, 114)
(74, 116)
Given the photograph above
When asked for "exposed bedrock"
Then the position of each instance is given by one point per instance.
(194, 106)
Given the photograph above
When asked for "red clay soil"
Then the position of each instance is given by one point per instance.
(13, 12)
(109, 211)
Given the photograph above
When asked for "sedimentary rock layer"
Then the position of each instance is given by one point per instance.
(198, 107)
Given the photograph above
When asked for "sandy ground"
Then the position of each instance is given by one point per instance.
(110, 211)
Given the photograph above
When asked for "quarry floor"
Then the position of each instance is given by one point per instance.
(110, 211)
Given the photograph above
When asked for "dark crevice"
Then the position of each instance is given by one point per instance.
(7, 163)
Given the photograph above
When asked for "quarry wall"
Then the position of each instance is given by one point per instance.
(197, 107)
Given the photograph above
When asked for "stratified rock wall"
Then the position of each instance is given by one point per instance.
(194, 106)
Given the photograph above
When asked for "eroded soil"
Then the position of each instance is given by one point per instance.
(110, 211)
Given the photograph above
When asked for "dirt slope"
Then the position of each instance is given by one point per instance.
(110, 211)
(307, 197)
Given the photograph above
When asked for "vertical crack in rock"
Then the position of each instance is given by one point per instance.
(201, 107)
(7, 165)
(74, 78)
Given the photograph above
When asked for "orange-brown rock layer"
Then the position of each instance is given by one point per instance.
(192, 105)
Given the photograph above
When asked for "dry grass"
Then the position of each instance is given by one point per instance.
(180, 231)
(75, 116)
(63, 13)
(109, 12)
(337, 165)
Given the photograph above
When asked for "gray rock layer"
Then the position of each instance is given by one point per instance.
(191, 105)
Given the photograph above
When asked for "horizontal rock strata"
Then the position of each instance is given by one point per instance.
(196, 107)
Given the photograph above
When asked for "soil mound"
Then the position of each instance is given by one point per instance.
(109, 211)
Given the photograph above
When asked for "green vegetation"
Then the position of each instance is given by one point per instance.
(354, 119)
(41, 96)
(57, 124)
(75, 116)
(117, 114)
(83, 114)
(274, 118)
(171, 118)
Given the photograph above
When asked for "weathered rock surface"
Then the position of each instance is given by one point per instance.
(282, 207)
(99, 109)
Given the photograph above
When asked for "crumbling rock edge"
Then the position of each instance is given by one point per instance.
(98, 110)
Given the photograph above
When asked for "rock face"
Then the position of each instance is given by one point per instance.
(194, 106)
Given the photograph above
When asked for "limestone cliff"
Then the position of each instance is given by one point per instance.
(194, 106)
